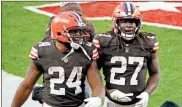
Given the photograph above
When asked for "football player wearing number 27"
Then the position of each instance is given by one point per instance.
(64, 74)
(126, 54)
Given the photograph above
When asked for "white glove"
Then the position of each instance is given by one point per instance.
(120, 96)
(93, 102)
(144, 96)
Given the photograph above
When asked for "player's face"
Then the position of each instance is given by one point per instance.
(76, 35)
(128, 26)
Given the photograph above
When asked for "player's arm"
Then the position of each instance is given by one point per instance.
(26, 86)
(154, 74)
(95, 81)
(98, 91)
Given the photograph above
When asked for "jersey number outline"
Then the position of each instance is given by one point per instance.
(123, 68)
(77, 71)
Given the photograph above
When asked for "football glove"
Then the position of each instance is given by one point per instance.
(120, 96)
(144, 96)
(37, 94)
(93, 102)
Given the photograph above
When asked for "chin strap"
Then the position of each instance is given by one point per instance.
(75, 46)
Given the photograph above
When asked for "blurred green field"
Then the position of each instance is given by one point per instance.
(22, 28)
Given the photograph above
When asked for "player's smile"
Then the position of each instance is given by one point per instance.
(128, 26)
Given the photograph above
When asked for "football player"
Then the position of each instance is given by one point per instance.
(126, 54)
(89, 31)
(65, 62)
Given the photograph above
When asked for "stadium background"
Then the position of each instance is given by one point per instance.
(21, 28)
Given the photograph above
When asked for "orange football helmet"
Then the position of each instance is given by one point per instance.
(126, 11)
(63, 23)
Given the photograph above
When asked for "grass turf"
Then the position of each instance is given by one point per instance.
(22, 28)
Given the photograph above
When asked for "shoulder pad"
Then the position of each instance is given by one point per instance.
(152, 41)
(34, 52)
(102, 40)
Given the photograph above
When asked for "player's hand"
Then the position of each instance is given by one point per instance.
(93, 102)
(144, 96)
(120, 96)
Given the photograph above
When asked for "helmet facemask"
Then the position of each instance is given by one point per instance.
(77, 35)
(76, 38)
(128, 28)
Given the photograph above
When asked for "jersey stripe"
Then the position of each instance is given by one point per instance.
(156, 47)
(95, 58)
(156, 44)
(34, 53)
(95, 51)
(32, 56)
(35, 50)
(96, 43)
(95, 54)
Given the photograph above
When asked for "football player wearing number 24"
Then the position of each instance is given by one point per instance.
(64, 74)
(126, 54)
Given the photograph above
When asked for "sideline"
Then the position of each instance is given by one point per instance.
(10, 84)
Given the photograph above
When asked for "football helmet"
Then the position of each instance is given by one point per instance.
(126, 12)
(67, 27)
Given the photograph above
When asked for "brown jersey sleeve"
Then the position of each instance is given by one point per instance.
(151, 39)
(34, 55)
(154, 44)
(34, 52)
